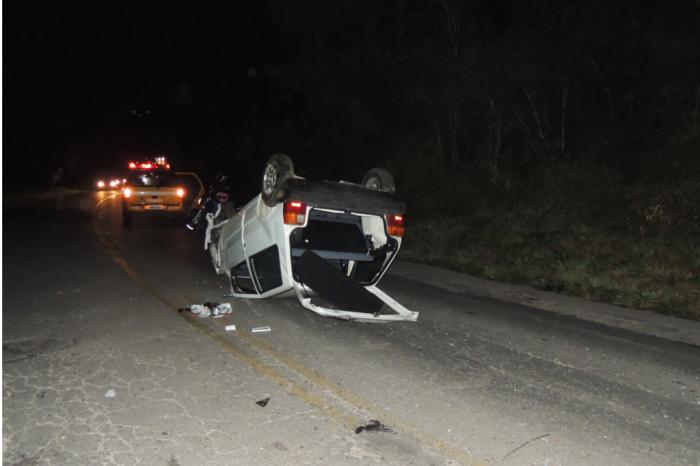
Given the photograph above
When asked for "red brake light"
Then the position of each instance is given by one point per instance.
(132, 165)
(146, 166)
(294, 213)
(395, 225)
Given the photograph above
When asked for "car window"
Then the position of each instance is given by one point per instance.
(152, 179)
(266, 268)
(241, 280)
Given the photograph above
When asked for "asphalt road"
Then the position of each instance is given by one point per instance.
(99, 367)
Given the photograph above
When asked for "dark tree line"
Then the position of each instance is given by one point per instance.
(499, 89)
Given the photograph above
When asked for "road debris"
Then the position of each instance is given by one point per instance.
(110, 393)
(373, 426)
(200, 309)
(230, 328)
(263, 402)
(221, 309)
(211, 309)
(261, 329)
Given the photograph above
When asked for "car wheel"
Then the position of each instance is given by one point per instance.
(277, 170)
(379, 179)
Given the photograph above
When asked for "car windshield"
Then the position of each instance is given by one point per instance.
(155, 179)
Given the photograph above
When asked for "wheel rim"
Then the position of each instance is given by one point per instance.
(269, 179)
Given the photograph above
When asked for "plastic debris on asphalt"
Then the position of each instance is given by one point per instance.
(200, 309)
(221, 309)
(230, 328)
(211, 309)
(110, 393)
(263, 402)
(261, 330)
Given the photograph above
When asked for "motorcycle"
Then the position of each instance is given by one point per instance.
(215, 196)
(212, 209)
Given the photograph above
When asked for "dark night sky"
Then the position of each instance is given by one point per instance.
(123, 78)
(343, 85)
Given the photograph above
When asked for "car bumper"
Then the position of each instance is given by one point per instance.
(154, 208)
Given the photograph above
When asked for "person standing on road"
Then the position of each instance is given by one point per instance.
(223, 196)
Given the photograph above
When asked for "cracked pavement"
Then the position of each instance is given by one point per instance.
(100, 368)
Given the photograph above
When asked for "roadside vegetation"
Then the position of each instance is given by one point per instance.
(582, 237)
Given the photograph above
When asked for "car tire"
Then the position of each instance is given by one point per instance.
(278, 169)
(379, 179)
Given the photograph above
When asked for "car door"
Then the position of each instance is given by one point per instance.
(233, 259)
(263, 242)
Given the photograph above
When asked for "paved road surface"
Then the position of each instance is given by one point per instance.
(99, 367)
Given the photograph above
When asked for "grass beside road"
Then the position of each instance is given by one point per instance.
(621, 247)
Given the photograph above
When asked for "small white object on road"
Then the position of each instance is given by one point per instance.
(219, 310)
(230, 328)
(211, 309)
(200, 309)
(110, 393)
(261, 329)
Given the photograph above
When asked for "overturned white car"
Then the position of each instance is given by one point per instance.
(327, 242)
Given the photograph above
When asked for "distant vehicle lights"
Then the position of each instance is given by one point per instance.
(157, 163)
(113, 183)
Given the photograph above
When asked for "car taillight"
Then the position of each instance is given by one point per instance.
(395, 225)
(132, 165)
(294, 213)
(180, 192)
(127, 192)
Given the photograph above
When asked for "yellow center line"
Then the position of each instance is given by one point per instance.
(102, 201)
(362, 403)
(341, 416)
(261, 367)
(345, 419)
